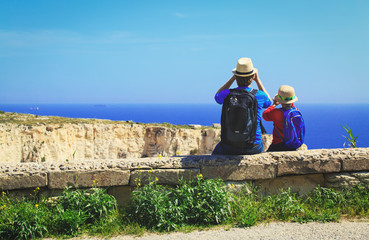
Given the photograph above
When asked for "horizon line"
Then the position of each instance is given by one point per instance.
(151, 103)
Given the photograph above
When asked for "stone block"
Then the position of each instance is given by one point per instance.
(240, 171)
(22, 180)
(302, 184)
(121, 193)
(340, 180)
(81, 179)
(163, 176)
(361, 175)
(360, 163)
(306, 162)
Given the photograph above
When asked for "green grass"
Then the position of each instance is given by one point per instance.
(200, 202)
(197, 204)
(70, 214)
(34, 120)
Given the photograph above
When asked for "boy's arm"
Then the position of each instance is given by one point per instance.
(267, 116)
(228, 84)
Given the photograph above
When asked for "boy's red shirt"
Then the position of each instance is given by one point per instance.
(275, 115)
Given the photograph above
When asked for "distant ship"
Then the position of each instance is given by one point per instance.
(100, 105)
(33, 108)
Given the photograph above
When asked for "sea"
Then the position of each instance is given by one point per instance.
(323, 121)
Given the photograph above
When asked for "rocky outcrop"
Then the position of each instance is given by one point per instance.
(60, 142)
(32, 138)
(109, 140)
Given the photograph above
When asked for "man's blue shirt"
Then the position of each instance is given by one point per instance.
(263, 102)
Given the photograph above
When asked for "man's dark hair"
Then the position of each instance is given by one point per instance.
(244, 81)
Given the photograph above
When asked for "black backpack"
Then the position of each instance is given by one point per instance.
(239, 118)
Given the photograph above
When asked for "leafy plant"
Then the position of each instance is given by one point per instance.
(23, 220)
(245, 206)
(198, 201)
(66, 214)
(93, 203)
(350, 139)
(325, 198)
(68, 221)
(149, 206)
(283, 206)
(191, 205)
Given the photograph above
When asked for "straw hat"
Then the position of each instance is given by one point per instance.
(244, 68)
(286, 95)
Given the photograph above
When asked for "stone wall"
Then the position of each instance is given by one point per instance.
(300, 170)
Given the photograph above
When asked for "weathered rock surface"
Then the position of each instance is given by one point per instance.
(55, 142)
(346, 179)
(85, 179)
(31, 138)
(163, 176)
(270, 170)
(298, 183)
(52, 156)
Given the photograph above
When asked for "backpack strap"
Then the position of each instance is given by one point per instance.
(276, 130)
(253, 91)
(263, 131)
(279, 135)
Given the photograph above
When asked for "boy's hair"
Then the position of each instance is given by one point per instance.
(286, 106)
(244, 81)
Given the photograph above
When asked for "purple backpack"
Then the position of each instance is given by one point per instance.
(293, 128)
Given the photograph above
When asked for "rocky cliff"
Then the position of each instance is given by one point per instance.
(30, 138)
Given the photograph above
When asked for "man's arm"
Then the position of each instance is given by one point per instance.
(228, 84)
(260, 84)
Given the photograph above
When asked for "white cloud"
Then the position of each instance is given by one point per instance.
(179, 15)
(58, 37)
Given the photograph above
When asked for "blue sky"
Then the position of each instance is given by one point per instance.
(88, 51)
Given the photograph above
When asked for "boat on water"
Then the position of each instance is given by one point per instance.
(100, 105)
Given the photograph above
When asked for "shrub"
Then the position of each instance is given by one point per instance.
(245, 206)
(150, 206)
(325, 198)
(66, 214)
(68, 222)
(195, 202)
(356, 200)
(91, 205)
(23, 220)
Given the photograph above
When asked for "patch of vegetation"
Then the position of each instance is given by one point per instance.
(321, 204)
(197, 204)
(194, 151)
(351, 139)
(32, 120)
(69, 214)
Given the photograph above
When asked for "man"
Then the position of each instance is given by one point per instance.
(244, 74)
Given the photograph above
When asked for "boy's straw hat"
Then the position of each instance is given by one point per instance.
(286, 95)
(244, 68)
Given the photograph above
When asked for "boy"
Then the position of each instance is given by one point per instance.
(286, 97)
